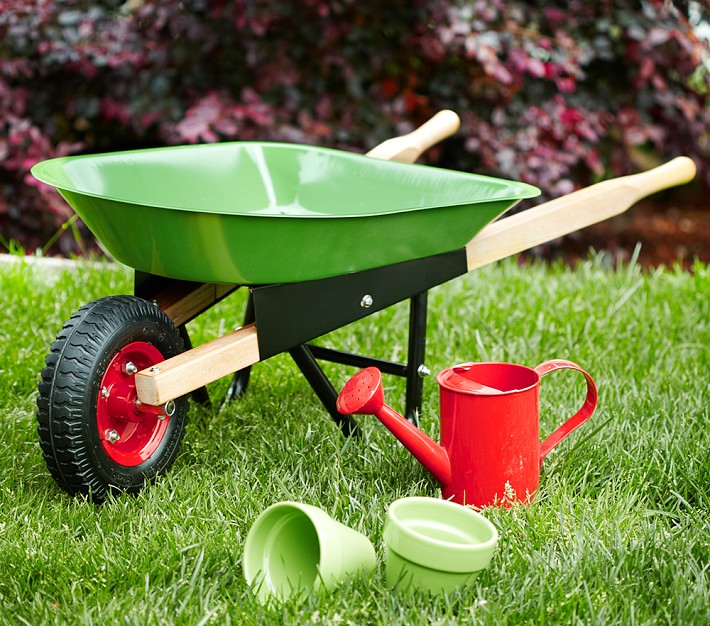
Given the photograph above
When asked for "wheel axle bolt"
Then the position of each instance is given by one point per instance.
(105, 393)
(112, 436)
(129, 368)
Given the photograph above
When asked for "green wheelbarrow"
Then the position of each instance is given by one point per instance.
(319, 237)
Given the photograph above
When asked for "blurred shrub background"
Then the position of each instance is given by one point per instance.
(557, 94)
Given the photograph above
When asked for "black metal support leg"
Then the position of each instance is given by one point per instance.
(323, 388)
(240, 382)
(416, 370)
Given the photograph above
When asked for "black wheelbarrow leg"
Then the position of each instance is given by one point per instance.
(323, 388)
(240, 381)
(416, 369)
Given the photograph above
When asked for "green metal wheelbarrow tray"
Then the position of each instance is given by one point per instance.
(320, 238)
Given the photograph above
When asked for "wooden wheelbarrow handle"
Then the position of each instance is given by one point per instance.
(577, 210)
(407, 148)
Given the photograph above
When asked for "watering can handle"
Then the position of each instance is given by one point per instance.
(581, 416)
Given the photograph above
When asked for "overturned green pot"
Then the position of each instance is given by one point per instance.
(294, 548)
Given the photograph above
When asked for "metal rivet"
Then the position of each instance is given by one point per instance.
(366, 301)
(423, 371)
(129, 368)
(112, 436)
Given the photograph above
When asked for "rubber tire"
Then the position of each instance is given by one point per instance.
(69, 388)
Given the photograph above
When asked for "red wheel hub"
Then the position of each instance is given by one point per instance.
(130, 432)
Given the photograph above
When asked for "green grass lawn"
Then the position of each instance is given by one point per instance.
(619, 531)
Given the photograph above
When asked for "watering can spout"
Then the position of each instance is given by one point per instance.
(363, 394)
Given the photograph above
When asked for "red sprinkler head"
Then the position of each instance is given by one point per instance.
(363, 393)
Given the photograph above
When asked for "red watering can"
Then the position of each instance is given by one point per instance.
(490, 450)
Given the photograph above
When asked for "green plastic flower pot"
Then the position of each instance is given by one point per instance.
(434, 545)
(294, 548)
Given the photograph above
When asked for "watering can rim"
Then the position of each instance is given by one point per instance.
(451, 379)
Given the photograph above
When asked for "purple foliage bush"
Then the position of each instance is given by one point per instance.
(557, 94)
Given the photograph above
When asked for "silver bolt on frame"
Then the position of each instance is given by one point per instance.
(423, 371)
(366, 301)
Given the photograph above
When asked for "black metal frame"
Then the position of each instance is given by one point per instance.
(289, 315)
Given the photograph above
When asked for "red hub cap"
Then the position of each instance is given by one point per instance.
(130, 432)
